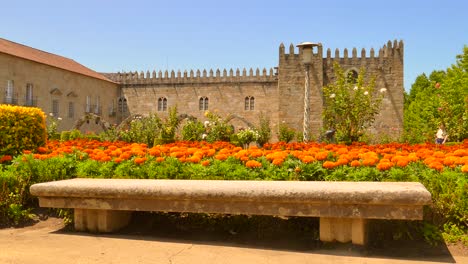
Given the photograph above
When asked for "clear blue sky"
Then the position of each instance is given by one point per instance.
(111, 36)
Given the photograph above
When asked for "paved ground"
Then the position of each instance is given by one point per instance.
(47, 242)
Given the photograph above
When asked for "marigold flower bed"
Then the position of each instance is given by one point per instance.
(330, 156)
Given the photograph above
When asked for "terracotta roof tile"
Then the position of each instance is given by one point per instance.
(25, 52)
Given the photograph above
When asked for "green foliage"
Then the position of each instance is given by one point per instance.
(52, 127)
(350, 105)
(247, 136)
(169, 126)
(440, 99)
(264, 129)
(142, 130)
(285, 133)
(217, 128)
(193, 130)
(21, 128)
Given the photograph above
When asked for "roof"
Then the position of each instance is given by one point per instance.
(32, 54)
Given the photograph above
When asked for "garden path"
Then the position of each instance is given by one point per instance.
(48, 242)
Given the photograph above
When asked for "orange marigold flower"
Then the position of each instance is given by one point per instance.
(253, 164)
(355, 163)
(6, 158)
(402, 162)
(139, 160)
(297, 169)
(385, 165)
(321, 155)
(42, 150)
(307, 159)
(464, 168)
(205, 163)
(221, 157)
(278, 162)
(194, 159)
(26, 152)
(159, 159)
(329, 164)
(118, 160)
(436, 166)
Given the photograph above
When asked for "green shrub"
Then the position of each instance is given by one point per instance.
(21, 128)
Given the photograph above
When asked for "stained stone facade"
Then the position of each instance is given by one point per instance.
(278, 92)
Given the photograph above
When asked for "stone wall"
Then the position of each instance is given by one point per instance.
(279, 94)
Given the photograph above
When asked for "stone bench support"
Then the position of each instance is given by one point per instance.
(105, 205)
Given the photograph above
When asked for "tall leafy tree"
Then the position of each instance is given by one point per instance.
(440, 99)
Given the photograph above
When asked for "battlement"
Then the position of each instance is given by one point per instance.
(191, 76)
(388, 50)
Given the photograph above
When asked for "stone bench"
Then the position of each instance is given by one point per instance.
(105, 205)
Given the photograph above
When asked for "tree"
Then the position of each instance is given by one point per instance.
(440, 99)
(351, 105)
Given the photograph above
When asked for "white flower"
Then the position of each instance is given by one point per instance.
(355, 88)
(366, 93)
(383, 90)
(204, 136)
(59, 118)
(332, 95)
(207, 123)
(51, 114)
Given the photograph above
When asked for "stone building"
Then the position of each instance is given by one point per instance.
(278, 93)
(69, 90)
(64, 89)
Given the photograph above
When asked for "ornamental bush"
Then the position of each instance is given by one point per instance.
(350, 105)
(21, 128)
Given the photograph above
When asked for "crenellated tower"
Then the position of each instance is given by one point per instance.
(291, 74)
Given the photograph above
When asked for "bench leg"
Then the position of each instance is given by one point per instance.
(100, 220)
(343, 230)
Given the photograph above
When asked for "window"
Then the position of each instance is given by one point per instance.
(88, 104)
(9, 92)
(123, 105)
(97, 107)
(71, 110)
(203, 103)
(249, 103)
(29, 95)
(55, 108)
(162, 104)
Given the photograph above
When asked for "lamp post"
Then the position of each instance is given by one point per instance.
(306, 61)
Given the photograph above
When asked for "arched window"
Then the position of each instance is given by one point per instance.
(352, 76)
(123, 105)
(249, 104)
(203, 103)
(162, 104)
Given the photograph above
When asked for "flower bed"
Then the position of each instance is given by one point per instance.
(442, 169)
